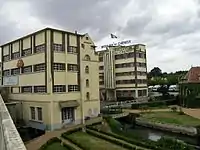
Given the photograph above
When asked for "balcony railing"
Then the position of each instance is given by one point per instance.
(9, 136)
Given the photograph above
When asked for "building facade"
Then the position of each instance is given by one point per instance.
(123, 72)
(54, 75)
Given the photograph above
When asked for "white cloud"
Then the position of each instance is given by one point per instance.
(169, 28)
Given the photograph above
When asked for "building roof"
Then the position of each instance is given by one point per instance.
(193, 75)
(41, 30)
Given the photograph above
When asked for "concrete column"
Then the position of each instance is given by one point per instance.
(136, 93)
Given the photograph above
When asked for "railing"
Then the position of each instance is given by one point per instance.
(9, 136)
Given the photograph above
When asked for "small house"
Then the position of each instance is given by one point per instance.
(189, 88)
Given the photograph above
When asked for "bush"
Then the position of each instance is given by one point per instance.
(112, 140)
(49, 142)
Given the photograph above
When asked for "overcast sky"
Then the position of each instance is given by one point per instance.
(169, 28)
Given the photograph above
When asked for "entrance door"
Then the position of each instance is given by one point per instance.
(67, 115)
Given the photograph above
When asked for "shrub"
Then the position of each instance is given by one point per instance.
(49, 142)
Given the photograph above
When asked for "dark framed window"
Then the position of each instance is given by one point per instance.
(39, 113)
(59, 88)
(6, 73)
(87, 96)
(87, 58)
(87, 83)
(15, 55)
(101, 67)
(72, 67)
(58, 48)
(27, 69)
(40, 48)
(59, 66)
(32, 109)
(27, 52)
(26, 89)
(86, 69)
(73, 88)
(83, 46)
(15, 71)
(39, 68)
(40, 89)
(6, 58)
(72, 49)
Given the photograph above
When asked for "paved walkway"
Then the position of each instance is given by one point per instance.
(36, 143)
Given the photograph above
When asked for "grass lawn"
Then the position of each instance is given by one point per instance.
(171, 117)
(56, 146)
(93, 143)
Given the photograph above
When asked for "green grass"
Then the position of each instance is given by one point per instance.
(92, 143)
(56, 146)
(171, 118)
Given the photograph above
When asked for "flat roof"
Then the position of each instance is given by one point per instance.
(38, 31)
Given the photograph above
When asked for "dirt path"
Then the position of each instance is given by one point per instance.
(192, 112)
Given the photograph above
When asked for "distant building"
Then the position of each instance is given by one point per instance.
(189, 88)
(54, 75)
(123, 72)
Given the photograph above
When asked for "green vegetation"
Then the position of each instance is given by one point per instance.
(162, 144)
(155, 104)
(88, 142)
(171, 118)
(55, 144)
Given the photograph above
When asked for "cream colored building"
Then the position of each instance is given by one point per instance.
(123, 72)
(54, 74)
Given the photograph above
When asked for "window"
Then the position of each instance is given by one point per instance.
(59, 88)
(59, 66)
(131, 81)
(39, 113)
(6, 72)
(27, 89)
(100, 59)
(58, 48)
(101, 82)
(40, 89)
(83, 46)
(15, 55)
(72, 67)
(39, 68)
(32, 113)
(87, 38)
(73, 88)
(15, 71)
(72, 49)
(100, 67)
(87, 96)
(27, 69)
(26, 52)
(87, 83)
(87, 58)
(6, 58)
(39, 48)
(86, 69)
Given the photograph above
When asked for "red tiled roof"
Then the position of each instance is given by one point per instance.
(193, 75)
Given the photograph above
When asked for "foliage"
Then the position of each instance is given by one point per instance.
(136, 140)
(173, 144)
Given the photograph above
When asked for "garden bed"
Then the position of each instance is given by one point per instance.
(89, 142)
(170, 118)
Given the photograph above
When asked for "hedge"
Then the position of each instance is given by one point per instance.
(149, 144)
(55, 140)
(114, 141)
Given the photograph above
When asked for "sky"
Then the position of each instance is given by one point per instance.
(170, 29)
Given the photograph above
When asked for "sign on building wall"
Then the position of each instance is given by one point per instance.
(117, 43)
(9, 81)
(122, 50)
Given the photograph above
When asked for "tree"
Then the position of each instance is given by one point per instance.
(155, 72)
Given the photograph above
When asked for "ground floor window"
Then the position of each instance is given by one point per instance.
(68, 114)
(142, 93)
